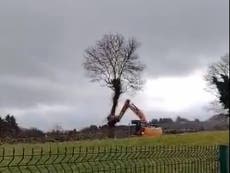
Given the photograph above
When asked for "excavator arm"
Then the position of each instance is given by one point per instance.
(138, 112)
(114, 119)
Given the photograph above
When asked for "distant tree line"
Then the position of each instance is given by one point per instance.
(181, 125)
(10, 132)
(170, 120)
(8, 126)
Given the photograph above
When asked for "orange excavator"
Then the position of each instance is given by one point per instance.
(143, 128)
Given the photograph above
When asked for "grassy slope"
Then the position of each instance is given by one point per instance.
(202, 138)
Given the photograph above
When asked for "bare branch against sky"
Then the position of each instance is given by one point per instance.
(114, 61)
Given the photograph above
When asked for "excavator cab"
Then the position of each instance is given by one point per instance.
(142, 127)
(139, 127)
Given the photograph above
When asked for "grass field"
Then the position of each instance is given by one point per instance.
(201, 138)
(191, 152)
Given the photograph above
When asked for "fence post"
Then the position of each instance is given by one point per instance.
(224, 158)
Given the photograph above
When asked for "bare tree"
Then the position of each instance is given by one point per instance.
(218, 80)
(114, 63)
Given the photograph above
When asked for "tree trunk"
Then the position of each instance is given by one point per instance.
(117, 93)
(111, 132)
(115, 102)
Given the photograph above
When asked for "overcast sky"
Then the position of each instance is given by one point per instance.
(42, 43)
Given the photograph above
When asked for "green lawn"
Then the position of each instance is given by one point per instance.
(191, 152)
(201, 138)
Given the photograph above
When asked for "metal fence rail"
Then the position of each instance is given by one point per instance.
(115, 159)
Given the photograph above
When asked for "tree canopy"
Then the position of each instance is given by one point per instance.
(113, 62)
(218, 80)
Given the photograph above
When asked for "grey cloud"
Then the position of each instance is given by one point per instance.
(174, 36)
(27, 92)
(42, 45)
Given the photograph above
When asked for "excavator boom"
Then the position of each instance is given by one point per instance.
(114, 119)
(138, 112)
(124, 108)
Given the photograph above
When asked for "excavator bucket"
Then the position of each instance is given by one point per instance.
(152, 131)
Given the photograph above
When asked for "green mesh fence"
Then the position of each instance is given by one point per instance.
(116, 159)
